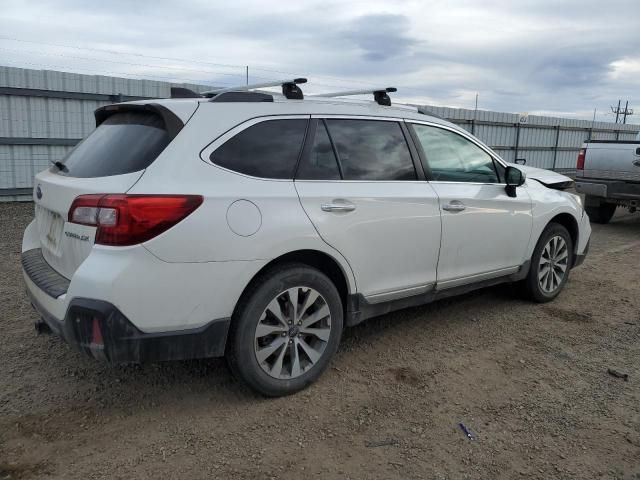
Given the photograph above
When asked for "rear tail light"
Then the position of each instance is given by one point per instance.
(581, 156)
(130, 219)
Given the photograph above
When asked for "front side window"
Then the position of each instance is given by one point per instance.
(268, 149)
(371, 150)
(453, 158)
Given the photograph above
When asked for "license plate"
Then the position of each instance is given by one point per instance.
(50, 226)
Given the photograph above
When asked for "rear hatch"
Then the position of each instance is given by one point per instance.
(110, 160)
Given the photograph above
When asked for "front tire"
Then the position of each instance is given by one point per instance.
(550, 264)
(285, 331)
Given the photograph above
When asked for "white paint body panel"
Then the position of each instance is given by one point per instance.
(491, 234)
(395, 241)
(392, 237)
(65, 253)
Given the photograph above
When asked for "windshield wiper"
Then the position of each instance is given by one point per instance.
(60, 165)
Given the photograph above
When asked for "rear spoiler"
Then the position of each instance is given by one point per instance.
(172, 122)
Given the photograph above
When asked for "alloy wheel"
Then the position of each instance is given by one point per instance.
(292, 333)
(554, 262)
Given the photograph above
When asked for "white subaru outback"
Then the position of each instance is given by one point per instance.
(257, 226)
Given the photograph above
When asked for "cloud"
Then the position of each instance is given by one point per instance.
(533, 55)
(381, 36)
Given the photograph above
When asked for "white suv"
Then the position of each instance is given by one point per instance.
(257, 225)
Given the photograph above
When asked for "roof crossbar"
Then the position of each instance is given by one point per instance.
(290, 88)
(379, 94)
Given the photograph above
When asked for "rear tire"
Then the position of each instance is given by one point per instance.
(285, 330)
(551, 262)
(602, 213)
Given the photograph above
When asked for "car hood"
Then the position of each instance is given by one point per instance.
(546, 177)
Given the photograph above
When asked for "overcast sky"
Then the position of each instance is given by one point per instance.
(541, 56)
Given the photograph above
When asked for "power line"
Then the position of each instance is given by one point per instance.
(116, 52)
(174, 59)
(143, 76)
(163, 67)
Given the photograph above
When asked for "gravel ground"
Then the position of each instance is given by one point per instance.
(529, 381)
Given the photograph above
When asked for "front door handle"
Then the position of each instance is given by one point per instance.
(454, 206)
(338, 207)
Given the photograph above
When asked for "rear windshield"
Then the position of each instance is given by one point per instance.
(125, 142)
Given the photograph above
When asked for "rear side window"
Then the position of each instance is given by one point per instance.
(125, 142)
(371, 150)
(269, 149)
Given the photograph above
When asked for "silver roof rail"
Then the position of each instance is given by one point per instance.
(289, 88)
(379, 94)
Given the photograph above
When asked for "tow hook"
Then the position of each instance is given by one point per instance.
(42, 327)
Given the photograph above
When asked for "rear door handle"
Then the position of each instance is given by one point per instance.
(338, 207)
(454, 206)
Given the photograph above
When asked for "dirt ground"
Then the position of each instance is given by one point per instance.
(529, 381)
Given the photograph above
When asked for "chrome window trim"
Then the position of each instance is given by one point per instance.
(417, 181)
(343, 116)
(467, 183)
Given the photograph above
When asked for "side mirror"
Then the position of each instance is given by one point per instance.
(513, 178)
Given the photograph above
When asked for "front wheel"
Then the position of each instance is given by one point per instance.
(550, 264)
(285, 331)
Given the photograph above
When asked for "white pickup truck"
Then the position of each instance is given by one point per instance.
(608, 174)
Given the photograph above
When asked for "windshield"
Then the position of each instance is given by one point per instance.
(125, 142)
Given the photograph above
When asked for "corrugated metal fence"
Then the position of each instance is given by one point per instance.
(43, 113)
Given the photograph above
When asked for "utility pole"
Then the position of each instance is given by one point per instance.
(247, 74)
(625, 113)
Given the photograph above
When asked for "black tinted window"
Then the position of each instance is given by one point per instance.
(321, 163)
(371, 150)
(125, 142)
(453, 158)
(268, 149)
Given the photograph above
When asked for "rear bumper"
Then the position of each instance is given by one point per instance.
(613, 189)
(100, 330)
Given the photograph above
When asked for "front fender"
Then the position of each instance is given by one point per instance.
(547, 204)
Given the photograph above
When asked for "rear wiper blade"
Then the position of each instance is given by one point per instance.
(60, 165)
